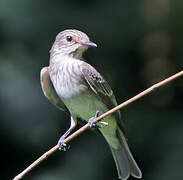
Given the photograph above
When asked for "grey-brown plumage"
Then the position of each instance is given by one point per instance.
(77, 88)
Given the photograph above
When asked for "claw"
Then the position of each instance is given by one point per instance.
(104, 123)
(94, 125)
(97, 114)
(61, 145)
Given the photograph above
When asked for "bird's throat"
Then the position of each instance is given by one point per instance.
(78, 53)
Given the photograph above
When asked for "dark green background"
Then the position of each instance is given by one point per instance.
(139, 43)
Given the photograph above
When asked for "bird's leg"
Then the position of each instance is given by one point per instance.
(61, 145)
(94, 125)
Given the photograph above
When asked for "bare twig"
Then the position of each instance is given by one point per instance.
(79, 131)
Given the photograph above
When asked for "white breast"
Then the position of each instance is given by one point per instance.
(67, 79)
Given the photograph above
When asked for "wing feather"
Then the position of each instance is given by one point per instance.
(99, 86)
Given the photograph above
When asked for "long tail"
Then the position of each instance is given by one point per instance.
(124, 160)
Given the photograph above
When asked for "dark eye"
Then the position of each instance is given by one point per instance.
(69, 38)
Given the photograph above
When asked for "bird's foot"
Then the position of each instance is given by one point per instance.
(93, 125)
(61, 145)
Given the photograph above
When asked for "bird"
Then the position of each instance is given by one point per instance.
(77, 88)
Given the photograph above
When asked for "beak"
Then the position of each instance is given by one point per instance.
(89, 43)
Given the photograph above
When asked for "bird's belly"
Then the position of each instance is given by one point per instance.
(84, 105)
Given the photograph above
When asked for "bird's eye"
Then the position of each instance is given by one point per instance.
(69, 38)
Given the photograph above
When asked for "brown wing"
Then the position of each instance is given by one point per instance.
(49, 90)
(99, 86)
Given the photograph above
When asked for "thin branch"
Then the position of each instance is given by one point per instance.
(82, 129)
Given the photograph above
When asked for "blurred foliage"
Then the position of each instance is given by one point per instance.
(139, 43)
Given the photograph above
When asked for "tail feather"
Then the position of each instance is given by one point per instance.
(122, 164)
(124, 160)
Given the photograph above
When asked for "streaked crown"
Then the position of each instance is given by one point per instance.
(71, 42)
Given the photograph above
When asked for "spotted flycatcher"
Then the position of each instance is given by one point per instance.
(76, 87)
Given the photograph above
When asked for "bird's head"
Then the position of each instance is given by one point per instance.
(72, 43)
